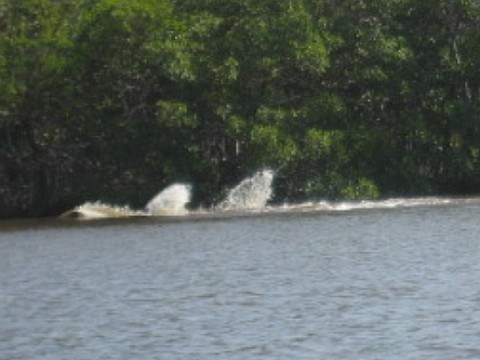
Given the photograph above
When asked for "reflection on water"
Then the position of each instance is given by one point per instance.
(396, 284)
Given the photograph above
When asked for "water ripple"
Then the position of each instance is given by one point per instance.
(382, 285)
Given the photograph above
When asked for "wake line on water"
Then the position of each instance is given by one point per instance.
(250, 196)
(393, 203)
(252, 193)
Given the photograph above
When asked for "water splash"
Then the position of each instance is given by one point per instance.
(251, 193)
(98, 210)
(345, 206)
(171, 201)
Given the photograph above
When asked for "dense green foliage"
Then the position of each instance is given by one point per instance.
(114, 99)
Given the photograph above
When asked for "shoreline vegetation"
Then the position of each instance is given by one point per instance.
(112, 100)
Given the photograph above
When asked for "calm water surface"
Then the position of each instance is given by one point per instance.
(390, 284)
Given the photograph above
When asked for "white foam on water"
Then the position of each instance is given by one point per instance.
(172, 201)
(340, 206)
(252, 193)
(98, 210)
(250, 196)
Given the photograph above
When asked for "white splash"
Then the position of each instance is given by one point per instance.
(172, 201)
(251, 193)
(98, 210)
(345, 206)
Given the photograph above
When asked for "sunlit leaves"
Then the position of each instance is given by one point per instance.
(321, 143)
(271, 146)
(174, 114)
(359, 189)
(325, 109)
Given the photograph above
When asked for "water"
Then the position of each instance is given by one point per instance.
(250, 194)
(399, 283)
(171, 201)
